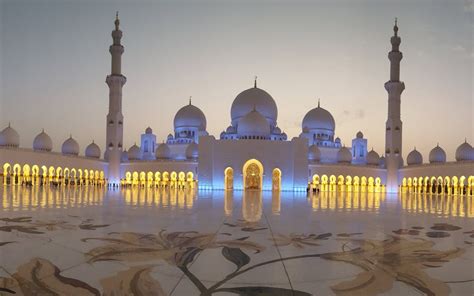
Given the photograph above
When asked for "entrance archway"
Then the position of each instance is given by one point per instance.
(253, 174)
(229, 178)
(276, 179)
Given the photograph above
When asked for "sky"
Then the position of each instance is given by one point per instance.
(54, 60)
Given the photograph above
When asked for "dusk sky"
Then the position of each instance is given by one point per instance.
(54, 59)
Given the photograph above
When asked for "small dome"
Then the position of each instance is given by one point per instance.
(190, 116)
(338, 140)
(252, 98)
(277, 130)
(230, 129)
(253, 124)
(170, 137)
(373, 158)
(344, 155)
(124, 156)
(9, 137)
(414, 157)
(42, 142)
(70, 147)
(382, 161)
(148, 130)
(464, 152)
(134, 153)
(359, 135)
(318, 118)
(93, 150)
(437, 155)
(314, 154)
(192, 151)
(163, 151)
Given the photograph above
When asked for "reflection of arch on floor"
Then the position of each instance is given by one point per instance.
(253, 174)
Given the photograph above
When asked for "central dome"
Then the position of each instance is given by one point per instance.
(190, 116)
(250, 98)
(319, 118)
(253, 124)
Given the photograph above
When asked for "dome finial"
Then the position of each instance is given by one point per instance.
(9, 124)
(254, 107)
(70, 136)
(255, 81)
(190, 97)
(319, 102)
(117, 21)
(395, 27)
(42, 130)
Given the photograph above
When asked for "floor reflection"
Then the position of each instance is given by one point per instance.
(251, 202)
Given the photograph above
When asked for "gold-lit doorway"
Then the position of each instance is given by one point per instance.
(276, 179)
(229, 178)
(253, 174)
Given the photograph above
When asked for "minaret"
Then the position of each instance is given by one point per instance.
(393, 126)
(115, 81)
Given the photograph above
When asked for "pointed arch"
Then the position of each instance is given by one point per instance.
(253, 174)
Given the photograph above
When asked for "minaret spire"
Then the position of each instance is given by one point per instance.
(393, 126)
(114, 124)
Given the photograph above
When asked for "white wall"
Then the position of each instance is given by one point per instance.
(451, 169)
(31, 157)
(289, 156)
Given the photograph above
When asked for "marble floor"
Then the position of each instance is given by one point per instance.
(90, 241)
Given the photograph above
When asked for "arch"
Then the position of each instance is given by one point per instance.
(142, 178)
(340, 180)
(253, 174)
(378, 181)
(332, 180)
(462, 180)
(316, 179)
(447, 181)
(404, 182)
(190, 177)
(324, 179)
(229, 178)
(371, 181)
(128, 178)
(181, 176)
(363, 181)
(7, 171)
(174, 176)
(276, 179)
(135, 177)
(348, 180)
(415, 182)
(455, 181)
(356, 181)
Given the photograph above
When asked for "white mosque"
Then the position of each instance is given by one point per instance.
(251, 153)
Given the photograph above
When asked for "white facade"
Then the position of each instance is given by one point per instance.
(253, 152)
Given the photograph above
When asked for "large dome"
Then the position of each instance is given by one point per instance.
(314, 154)
(9, 137)
(344, 155)
(192, 151)
(250, 98)
(163, 151)
(414, 157)
(190, 116)
(318, 118)
(42, 142)
(93, 150)
(70, 147)
(373, 158)
(253, 124)
(437, 155)
(464, 152)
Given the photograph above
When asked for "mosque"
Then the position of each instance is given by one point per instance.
(251, 153)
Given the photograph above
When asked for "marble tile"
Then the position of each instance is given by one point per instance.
(241, 242)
